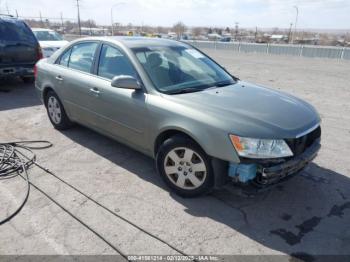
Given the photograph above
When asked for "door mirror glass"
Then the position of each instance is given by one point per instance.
(123, 81)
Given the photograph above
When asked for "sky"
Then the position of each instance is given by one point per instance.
(313, 14)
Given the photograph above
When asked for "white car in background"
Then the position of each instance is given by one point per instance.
(49, 40)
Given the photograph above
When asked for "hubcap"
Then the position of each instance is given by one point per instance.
(185, 168)
(54, 109)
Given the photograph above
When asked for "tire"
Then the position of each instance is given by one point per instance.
(185, 167)
(56, 112)
(28, 79)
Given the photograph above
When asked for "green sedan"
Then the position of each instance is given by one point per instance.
(167, 99)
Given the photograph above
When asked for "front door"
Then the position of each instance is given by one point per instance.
(122, 113)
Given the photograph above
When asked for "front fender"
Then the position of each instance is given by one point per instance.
(215, 142)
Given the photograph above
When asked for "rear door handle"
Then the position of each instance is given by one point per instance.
(95, 91)
(59, 78)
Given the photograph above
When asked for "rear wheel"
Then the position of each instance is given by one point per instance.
(56, 112)
(185, 167)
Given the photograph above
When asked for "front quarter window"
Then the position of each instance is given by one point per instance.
(113, 63)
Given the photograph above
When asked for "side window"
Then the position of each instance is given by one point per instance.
(82, 56)
(113, 63)
(142, 57)
(65, 58)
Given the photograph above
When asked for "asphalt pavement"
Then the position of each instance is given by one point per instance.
(108, 199)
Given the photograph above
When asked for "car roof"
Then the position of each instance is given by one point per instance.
(9, 17)
(138, 42)
(40, 29)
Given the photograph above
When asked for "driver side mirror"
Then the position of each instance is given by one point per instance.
(127, 82)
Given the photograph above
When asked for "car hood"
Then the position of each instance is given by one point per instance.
(249, 110)
(57, 44)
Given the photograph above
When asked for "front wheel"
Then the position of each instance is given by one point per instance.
(185, 167)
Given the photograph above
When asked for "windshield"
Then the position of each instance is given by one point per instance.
(47, 36)
(176, 69)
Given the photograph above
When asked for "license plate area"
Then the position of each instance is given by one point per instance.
(8, 70)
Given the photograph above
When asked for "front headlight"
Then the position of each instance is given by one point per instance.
(260, 148)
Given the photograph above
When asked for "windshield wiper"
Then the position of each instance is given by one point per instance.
(185, 90)
(200, 88)
(223, 83)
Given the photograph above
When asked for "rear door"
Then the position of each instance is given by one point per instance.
(18, 45)
(73, 80)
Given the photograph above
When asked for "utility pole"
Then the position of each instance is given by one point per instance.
(112, 30)
(256, 34)
(296, 21)
(236, 31)
(62, 20)
(41, 19)
(7, 8)
(112, 27)
(90, 27)
(290, 33)
(79, 17)
(16, 13)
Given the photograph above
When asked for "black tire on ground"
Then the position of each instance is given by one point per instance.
(199, 157)
(62, 122)
(28, 79)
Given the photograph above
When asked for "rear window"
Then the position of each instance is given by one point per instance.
(15, 31)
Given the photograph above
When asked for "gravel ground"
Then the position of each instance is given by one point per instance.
(307, 216)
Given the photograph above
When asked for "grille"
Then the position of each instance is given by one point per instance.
(299, 145)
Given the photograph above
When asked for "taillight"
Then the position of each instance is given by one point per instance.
(35, 71)
(40, 53)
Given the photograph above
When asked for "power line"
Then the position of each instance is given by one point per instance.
(47, 17)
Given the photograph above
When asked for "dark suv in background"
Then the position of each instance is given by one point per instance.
(19, 49)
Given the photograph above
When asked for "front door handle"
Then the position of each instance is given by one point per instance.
(95, 91)
(59, 78)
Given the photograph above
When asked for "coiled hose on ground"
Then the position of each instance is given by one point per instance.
(15, 159)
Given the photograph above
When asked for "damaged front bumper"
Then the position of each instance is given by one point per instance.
(272, 174)
(264, 173)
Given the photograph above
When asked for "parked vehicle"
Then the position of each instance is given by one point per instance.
(226, 39)
(49, 40)
(19, 49)
(203, 126)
